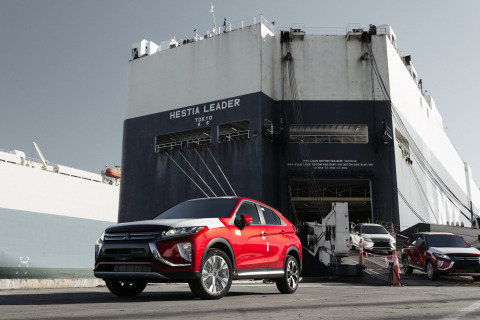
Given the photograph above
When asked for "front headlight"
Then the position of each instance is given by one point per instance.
(441, 256)
(98, 245)
(176, 232)
(367, 239)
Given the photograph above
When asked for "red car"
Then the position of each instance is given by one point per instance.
(438, 254)
(204, 242)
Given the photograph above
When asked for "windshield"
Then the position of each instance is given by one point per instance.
(446, 241)
(374, 230)
(200, 208)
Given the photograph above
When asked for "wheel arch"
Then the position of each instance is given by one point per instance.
(293, 251)
(220, 244)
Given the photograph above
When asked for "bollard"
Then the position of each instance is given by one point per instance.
(396, 268)
(360, 252)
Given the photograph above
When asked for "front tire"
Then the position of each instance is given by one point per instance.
(289, 282)
(122, 288)
(430, 269)
(405, 266)
(216, 276)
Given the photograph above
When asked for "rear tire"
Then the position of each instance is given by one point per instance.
(430, 269)
(289, 282)
(122, 288)
(216, 276)
(405, 266)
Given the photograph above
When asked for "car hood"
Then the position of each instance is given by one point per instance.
(449, 250)
(165, 224)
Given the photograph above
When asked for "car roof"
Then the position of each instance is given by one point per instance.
(437, 233)
(369, 224)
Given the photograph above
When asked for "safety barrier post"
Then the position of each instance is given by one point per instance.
(396, 268)
(360, 252)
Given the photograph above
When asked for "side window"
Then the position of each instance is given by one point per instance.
(357, 228)
(413, 239)
(271, 217)
(249, 209)
(420, 240)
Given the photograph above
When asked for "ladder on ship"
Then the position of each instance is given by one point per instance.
(288, 74)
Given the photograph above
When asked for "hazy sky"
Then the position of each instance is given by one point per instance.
(63, 63)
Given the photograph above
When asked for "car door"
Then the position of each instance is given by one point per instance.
(251, 241)
(416, 251)
(278, 238)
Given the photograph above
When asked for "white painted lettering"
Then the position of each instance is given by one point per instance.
(221, 105)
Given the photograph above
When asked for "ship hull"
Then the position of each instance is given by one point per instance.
(50, 221)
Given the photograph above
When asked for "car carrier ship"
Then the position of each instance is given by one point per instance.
(50, 217)
(294, 118)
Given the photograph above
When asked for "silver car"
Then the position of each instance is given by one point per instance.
(374, 237)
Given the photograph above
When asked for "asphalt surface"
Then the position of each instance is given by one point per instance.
(366, 297)
(318, 300)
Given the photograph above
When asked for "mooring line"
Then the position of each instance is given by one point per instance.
(205, 183)
(187, 175)
(221, 171)
(210, 172)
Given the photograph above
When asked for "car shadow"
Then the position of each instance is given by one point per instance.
(93, 297)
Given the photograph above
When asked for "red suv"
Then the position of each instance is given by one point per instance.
(440, 254)
(204, 242)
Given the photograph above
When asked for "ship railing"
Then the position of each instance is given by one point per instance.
(245, 23)
(31, 160)
(181, 144)
(227, 137)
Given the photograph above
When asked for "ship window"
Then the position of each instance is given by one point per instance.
(329, 133)
(183, 139)
(232, 131)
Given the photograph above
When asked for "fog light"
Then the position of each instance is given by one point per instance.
(185, 250)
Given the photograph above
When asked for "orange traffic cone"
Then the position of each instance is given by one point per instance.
(360, 252)
(396, 267)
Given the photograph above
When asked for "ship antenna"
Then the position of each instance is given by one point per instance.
(213, 14)
(221, 171)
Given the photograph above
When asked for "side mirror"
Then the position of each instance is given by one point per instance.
(245, 220)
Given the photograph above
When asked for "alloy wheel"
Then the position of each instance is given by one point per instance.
(215, 275)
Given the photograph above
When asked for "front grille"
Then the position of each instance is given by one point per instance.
(381, 244)
(125, 268)
(466, 262)
(132, 236)
(134, 251)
